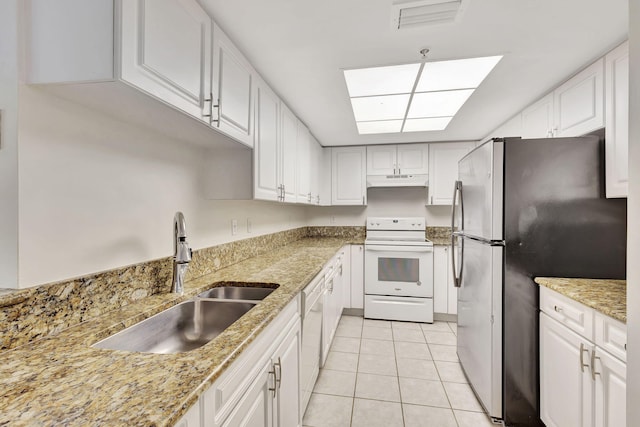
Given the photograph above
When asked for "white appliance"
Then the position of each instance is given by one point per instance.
(311, 337)
(398, 272)
(397, 180)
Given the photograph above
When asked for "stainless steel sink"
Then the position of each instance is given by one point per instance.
(181, 328)
(237, 293)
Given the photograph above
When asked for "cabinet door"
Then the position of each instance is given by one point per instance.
(357, 276)
(440, 279)
(166, 51)
(382, 160)
(537, 119)
(255, 408)
(287, 370)
(316, 170)
(288, 154)
(346, 278)
(303, 164)
(265, 151)
(443, 168)
(566, 388)
(191, 418)
(617, 121)
(611, 390)
(348, 176)
(579, 103)
(413, 159)
(233, 80)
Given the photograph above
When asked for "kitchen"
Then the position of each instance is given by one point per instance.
(110, 188)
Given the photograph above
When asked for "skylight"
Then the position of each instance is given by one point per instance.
(414, 97)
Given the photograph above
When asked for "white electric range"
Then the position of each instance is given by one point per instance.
(398, 270)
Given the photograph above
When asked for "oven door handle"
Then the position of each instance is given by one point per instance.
(383, 248)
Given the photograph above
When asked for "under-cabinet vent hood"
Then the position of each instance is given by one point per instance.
(397, 180)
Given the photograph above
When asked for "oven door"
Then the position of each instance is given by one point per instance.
(399, 270)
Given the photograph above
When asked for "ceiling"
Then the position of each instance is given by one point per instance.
(300, 48)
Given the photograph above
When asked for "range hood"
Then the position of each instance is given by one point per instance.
(397, 180)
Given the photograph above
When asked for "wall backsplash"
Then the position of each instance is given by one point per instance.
(44, 310)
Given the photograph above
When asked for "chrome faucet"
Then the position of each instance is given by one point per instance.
(181, 253)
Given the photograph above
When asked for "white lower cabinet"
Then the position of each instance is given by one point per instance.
(262, 386)
(357, 276)
(445, 294)
(333, 304)
(192, 417)
(581, 384)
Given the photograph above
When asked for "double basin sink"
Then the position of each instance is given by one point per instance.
(190, 324)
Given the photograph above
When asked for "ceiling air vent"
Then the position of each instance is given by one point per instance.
(413, 13)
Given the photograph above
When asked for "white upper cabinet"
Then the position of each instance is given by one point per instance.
(406, 159)
(538, 119)
(617, 121)
(303, 164)
(316, 170)
(348, 176)
(413, 159)
(265, 152)
(512, 127)
(579, 103)
(443, 167)
(166, 51)
(381, 160)
(233, 81)
(288, 154)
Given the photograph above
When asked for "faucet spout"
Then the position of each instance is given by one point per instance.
(181, 253)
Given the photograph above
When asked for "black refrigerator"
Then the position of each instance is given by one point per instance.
(525, 208)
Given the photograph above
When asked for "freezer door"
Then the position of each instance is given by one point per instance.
(480, 198)
(480, 322)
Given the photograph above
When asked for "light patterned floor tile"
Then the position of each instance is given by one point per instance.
(435, 327)
(328, 411)
(472, 419)
(346, 345)
(408, 335)
(416, 368)
(461, 397)
(374, 333)
(352, 331)
(374, 413)
(342, 361)
(337, 383)
(377, 323)
(379, 347)
(442, 338)
(405, 325)
(379, 365)
(428, 416)
(351, 320)
(412, 350)
(423, 392)
(450, 372)
(377, 387)
(448, 353)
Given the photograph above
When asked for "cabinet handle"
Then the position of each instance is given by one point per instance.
(309, 197)
(341, 270)
(557, 309)
(219, 107)
(363, 200)
(361, 248)
(273, 389)
(582, 350)
(398, 289)
(210, 101)
(277, 367)
(431, 200)
(593, 365)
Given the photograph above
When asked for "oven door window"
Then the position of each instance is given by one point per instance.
(398, 269)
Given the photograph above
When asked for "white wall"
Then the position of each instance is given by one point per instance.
(383, 202)
(96, 193)
(8, 144)
(633, 233)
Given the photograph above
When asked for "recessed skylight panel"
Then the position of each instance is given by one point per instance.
(457, 74)
(386, 107)
(382, 126)
(438, 104)
(414, 97)
(430, 124)
(381, 80)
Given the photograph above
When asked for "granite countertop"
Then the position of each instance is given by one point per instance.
(62, 380)
(604, 295)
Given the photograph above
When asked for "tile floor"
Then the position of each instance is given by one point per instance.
(381, 373)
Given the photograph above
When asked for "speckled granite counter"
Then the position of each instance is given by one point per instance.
(606, 296)
(440, 236)
(61, 380)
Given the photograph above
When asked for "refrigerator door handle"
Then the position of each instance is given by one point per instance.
(457, 278)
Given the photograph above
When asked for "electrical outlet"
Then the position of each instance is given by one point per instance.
(248, 225)
(234, 227)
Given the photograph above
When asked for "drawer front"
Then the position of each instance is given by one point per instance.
(576, 316)
(407, 309)
(611, 335)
